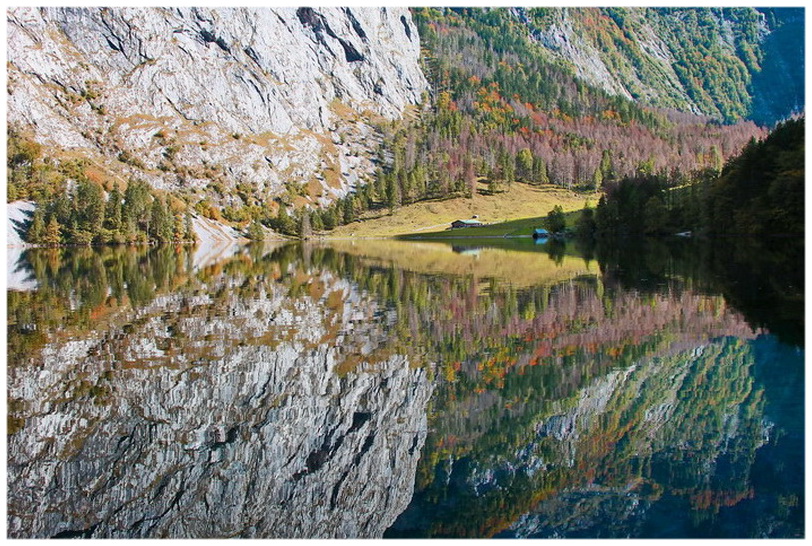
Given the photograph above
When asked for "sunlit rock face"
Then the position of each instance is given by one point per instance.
(259, 97)
(274, 420)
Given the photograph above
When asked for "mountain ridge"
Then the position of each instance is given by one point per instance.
(251, 114)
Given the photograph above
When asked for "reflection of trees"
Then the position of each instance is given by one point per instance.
(518, 369)
(762, 279)
(683, 425)
(79, 286)
(512, 361)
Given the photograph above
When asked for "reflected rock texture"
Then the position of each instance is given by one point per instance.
(392, 389)
(244, 405)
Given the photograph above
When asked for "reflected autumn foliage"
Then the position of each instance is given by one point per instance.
(568, 401)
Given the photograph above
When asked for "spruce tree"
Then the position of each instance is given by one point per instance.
(255, 231)
(189, 234)
(36, 232)
(113, 212)
(53, 233)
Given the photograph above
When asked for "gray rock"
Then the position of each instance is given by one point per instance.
(258, 90)
(230, 435)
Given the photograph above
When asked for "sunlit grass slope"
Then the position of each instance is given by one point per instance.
(519, 202)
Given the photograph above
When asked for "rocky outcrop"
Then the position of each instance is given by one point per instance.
(192, 98)
(259, 426)
(709, 61)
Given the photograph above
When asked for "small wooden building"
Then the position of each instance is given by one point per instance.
(540, 233)
(465, 223)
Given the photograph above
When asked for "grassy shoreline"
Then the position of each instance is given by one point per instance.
(513, 212)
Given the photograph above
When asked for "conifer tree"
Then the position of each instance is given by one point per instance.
(161, 225)
(305, 229)
(189, 234)
(136, 209)
(255, 231)
(113, 212)
(53, 233)
(36, 232)
(524, 165)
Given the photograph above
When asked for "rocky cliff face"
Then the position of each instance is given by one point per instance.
(709, 61)
(198, 100)
(208, 414)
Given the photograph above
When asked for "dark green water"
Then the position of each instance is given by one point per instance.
(468, 389)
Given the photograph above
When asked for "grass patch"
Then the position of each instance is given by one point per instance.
(521, 203)
(513, 228)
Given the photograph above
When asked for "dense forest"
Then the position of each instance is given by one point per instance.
(759, 192)
(502, 112)
(76, 208)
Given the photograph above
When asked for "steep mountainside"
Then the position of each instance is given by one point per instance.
(289, 117)
(712, 61)
(201, 100)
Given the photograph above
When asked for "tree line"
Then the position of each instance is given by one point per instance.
(81, 215)
(499, 113)
(502, 114)
(759, 192)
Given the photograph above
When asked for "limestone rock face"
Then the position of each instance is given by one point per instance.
(190, 97)
(254, 426)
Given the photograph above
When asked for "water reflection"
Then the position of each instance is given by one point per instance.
(352, 390)
(252, 399)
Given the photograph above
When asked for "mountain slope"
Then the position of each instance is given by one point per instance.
(202, 100)
(254, 114)
(712, 61)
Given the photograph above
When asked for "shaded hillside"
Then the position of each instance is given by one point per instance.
(759, 192)
(729, 63)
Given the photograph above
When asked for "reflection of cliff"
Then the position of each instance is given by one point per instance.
(275, 394)
(601, 401)
(248, 403)
(681, 430)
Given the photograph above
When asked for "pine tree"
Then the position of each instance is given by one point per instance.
(540, 175)
(348, 209)
(53, 233)
(36, 232)
(88, 207)
(255, 231)
(113, 212)
(524, 165)
(305, 229)
(329, 218)
(136, 209)
(284, 223)
(161, 224)
(606, 167)
(597, 179)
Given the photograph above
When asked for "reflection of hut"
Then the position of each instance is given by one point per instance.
(467, 250)
(465, 223)
(540, 233)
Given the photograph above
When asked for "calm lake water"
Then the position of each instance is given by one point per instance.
(405, 389)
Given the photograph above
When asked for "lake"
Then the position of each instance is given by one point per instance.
(494, 388)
